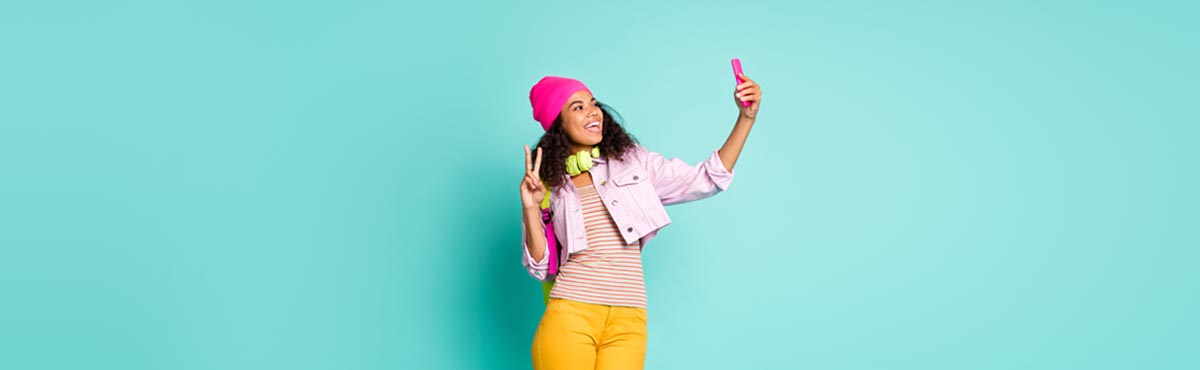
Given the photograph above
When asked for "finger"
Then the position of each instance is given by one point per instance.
(528, 165)
(750, 91)
(537, 164)
(538, 186)
(745, 79)
(530, 183)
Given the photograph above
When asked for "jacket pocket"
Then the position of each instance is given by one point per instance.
(635, 186)
(633, 177)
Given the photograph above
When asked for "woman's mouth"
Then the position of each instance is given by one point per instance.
(593, 127)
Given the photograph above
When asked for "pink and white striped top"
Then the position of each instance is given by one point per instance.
(608, 272)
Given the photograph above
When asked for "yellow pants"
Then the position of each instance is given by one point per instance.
(576, 335)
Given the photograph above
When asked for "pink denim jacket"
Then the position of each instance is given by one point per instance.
(634, 191)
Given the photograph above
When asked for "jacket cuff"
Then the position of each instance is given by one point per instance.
(537, 269)
(537, 265)
(715, 168)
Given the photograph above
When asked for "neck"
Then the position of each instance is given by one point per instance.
(576, 148)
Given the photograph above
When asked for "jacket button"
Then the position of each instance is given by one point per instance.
(635, 177)
(629, 229)
(614, 202)
(605, 182)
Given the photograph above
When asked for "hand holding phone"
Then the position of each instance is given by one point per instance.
(737, 72)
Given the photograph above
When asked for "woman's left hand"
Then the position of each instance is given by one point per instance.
(748, 90)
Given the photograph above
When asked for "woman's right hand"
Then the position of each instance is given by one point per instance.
(532, 189)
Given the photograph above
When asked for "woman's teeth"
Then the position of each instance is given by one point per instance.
(594, 126)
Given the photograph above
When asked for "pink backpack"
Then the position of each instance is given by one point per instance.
(552, 248)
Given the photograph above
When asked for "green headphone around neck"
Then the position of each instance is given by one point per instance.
(581, 162)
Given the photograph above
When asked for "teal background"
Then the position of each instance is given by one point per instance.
(332, 185)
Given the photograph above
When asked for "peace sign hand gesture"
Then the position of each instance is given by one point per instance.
(532, 189)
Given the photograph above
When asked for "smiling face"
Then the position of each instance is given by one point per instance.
(582, 120)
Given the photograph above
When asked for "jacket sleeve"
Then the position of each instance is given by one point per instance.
(676, 182)
(537, 269)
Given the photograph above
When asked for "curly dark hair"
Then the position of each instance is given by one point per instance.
(615, 143)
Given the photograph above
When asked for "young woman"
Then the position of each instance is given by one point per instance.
(606, 201)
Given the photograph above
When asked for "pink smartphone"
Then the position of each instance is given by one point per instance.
(737, 70)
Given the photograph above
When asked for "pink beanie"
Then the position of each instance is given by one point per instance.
(548, 96)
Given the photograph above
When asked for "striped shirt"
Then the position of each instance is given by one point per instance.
(608, 272)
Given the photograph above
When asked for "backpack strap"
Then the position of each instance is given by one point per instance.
(552, 248)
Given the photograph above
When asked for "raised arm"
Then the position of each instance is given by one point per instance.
(533, 237)
(746, 91)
